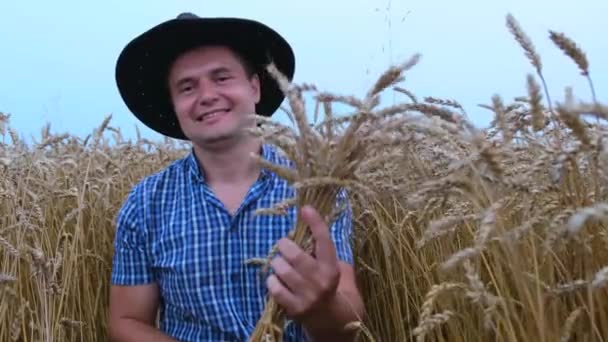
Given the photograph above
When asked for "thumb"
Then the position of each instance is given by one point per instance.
(324, 246)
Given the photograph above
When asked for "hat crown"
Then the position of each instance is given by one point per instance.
(187, 15)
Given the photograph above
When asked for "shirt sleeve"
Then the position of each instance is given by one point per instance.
(341, 230)
(131, 263)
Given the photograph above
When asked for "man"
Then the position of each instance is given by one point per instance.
(184, 234)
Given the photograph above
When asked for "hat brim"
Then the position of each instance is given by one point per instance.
(143, 65)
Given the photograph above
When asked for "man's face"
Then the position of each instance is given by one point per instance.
(212, 95)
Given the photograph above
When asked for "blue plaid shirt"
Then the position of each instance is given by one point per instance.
(173, 230)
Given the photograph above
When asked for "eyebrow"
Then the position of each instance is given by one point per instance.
(214, 72)
(220, 69)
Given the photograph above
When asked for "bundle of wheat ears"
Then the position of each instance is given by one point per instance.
(332, 155)
(326, 161)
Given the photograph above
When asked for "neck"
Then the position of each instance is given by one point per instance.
(230, 163)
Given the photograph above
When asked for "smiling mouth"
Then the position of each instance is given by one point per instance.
(212, 114)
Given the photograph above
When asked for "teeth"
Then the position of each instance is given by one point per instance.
(211, 115)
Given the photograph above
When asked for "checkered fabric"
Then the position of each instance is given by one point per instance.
(174, 231)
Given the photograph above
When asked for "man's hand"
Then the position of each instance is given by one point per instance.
(318, 291)
(301, 283)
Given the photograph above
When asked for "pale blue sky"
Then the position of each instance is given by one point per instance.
(57, 57)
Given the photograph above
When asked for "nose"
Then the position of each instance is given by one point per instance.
(207, 93)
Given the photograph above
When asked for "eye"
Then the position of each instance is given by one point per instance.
(185, 89)
(223, 78)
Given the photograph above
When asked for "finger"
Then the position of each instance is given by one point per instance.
(302, 262)
(280, 293)
(324, 246)
(287, 274)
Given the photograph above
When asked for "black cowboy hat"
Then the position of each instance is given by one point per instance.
(142, 67)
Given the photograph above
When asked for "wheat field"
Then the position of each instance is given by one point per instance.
(461, 234)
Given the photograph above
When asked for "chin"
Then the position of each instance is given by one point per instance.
(214, 135)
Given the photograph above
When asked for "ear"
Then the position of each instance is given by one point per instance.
(256, 87)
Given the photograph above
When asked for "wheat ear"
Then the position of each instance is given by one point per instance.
(572, 50)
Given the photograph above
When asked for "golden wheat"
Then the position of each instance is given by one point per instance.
(461, 234)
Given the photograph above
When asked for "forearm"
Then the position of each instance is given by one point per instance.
(330, 325)
(131, 330)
